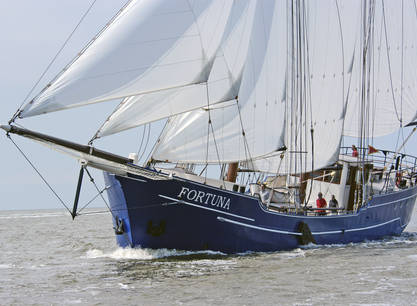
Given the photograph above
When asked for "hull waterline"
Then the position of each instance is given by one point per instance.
(180, 214)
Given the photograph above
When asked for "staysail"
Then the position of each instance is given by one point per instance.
(216, 88)
(151, 46)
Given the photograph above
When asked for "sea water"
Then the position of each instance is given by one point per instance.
(46, 258)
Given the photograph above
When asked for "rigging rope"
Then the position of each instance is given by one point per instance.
(40, 175)
(100, 193)
(93, 213)
(147, 142)
(217, 151)
(155, 146)
(207, 147)
(245, 141)
(143, 137)
(210, 125)
(95, 197)
(52, 61)
(389, 62)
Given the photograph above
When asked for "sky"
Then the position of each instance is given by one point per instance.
(31, 33)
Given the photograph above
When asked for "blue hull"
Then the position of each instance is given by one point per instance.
(181, 214)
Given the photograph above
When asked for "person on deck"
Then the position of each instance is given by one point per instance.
(321, 203)
(354, 151)
(333, 202)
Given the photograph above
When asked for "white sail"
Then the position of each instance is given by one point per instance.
(268, 106)
(150, 46)
(266, 74)
(219, 86)
(316, 105)
(259, 112)
(394, 81)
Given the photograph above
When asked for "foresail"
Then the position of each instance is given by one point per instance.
(219, 87)
(151, 46)
(259, 111)
(141, 109)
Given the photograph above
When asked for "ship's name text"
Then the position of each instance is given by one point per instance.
(206, 198)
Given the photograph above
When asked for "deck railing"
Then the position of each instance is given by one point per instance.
(384, 158)
(389, 164)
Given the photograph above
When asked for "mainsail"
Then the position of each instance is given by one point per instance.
(393, 85)
(270, 109)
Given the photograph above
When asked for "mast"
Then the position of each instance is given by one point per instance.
(232, 172)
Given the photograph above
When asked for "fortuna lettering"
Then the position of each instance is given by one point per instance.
(204, 198)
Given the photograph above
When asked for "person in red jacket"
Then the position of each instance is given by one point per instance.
(354, 151)
(321, 203)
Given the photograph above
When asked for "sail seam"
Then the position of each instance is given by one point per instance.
(75, 59)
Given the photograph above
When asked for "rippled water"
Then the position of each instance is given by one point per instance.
(45, 258)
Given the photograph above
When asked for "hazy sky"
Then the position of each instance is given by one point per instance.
(31, 32)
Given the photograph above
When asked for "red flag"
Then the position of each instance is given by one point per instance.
(371, 150)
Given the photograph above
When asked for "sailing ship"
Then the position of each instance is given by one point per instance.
(257, 97)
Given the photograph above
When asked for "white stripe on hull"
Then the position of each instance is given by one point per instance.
(207, 208)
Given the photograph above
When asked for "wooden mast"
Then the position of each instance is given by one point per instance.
(232, 172)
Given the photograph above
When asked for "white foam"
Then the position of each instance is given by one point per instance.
(144, 254)
(247, 253)
(3, 266)
(298, 252)
(404, 238)
(123, 286)
(310, 246)
(183, 273)
(211, 262)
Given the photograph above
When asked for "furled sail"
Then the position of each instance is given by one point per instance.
(393, 82)
(217, 89)
(151, 46)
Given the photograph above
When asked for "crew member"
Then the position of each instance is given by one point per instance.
(354, 151)
(333, 203)
(321, 203)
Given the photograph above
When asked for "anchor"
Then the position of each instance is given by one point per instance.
(119, 229)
